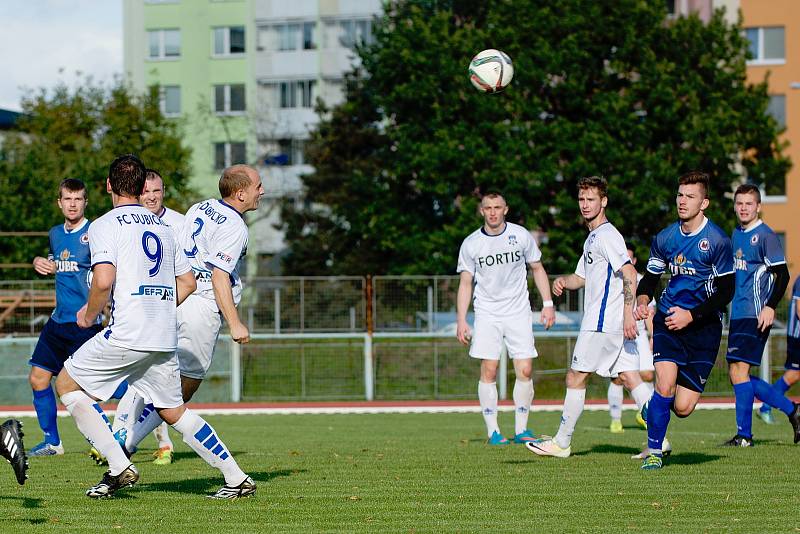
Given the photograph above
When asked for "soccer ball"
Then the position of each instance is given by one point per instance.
(491, 71)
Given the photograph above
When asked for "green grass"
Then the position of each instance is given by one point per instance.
(426, 473)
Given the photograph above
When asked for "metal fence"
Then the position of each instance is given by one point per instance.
(311, 342)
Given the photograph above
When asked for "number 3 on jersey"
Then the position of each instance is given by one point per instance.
(192, 253)
(154, 256)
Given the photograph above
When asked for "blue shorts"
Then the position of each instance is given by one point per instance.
(792, 354)
(694, 349)
(57, 342)
(746, 342)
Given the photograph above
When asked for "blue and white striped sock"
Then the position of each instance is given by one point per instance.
(203, 439)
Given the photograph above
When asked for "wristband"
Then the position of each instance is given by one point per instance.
(547, 304)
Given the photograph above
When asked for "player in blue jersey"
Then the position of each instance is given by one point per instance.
(761, 281)
(69, 260)
(687, 327)
(792, 366)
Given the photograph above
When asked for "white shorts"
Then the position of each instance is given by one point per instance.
(641, 348)
(601, 353)
(100, 367)
(199, 322)
(491, 332)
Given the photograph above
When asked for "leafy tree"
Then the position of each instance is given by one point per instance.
(77, 133)
(601, 88)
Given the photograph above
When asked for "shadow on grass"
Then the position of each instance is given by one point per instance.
(605, 448)
(27, 502)
(209, 484)
(691, 458)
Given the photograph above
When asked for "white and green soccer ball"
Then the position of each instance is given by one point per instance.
(491, 71)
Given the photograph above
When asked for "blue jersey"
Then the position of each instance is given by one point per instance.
(793, 328)
(694, 261)
(754, 251)
(69, 249)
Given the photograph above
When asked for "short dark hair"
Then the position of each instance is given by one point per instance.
(127, 175)
(596, 182)
(695, 177)
(748, 188)
(152, 174)
(492, 193)
(72, 184)
(233, 179)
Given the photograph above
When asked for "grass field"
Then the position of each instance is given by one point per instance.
(426, 473)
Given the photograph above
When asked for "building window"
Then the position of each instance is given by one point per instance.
(767, 44)
(229, 41)
(355, 32)
(285, 152)
(670, 7)
(164, 44)
(229, 98)
(288, 36)
(227, 154)
(777, 108)
(309, 36)
(297, 94)
(170, 100)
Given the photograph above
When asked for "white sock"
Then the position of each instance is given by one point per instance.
(573, 407)
(128, 410)
(202, 438)
(146, 423)
(162, 435)
(615, 392)
(641, 394)
(523, 398)
(650, 387)
(94, 425)
(487, 395)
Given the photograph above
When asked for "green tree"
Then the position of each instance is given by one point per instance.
(608, 88)
(76, 133)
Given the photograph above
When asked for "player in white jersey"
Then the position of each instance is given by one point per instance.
(609, 279)
(494, 259)
(132, 403)
(642, 348)
(215, 240)
(136, 261)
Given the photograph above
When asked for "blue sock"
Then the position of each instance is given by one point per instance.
(766, 393)
(44, 402)
(658, 419)
(744, 409)
(118, 394)
(781, 387)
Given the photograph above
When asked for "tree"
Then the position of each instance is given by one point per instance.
(601, 88)
(77, 133)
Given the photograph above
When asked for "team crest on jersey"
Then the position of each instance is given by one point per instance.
(512, 240)
(84, 239)
(739, 262)
(64, 255)
(754, 240)
(680, 259)
(704, 245)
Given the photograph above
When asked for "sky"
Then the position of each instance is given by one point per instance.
(44, 42)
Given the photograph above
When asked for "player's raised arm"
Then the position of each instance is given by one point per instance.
(548, 317)
(463, 299)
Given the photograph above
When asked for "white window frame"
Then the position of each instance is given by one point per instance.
(758, 60)
(161, 45)
(227, 100)
(162, 101)
(228, 158)
(226, 42)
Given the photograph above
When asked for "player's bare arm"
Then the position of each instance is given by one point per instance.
(44, 266)
(548, 317)
(103, 276)
(463, 298)
(185, 285)
(570, 281)
(629, 291)
(223, 293)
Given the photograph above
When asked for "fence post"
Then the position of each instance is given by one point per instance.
(502, 374)
(766, 372)
(369, 382)
(236, 370)
(277, 310)
(430, 309)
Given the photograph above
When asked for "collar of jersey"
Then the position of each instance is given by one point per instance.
(128, 206)
(699, 229)
(756, 225)
(84, 223)
(483, 231)
(163, 212)
(231, 207)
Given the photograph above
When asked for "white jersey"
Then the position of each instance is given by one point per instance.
(214, 235)
(604, 254)
(174, 220)
(498, 264)
(147, 258)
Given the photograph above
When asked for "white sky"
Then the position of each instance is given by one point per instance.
(39, 38)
